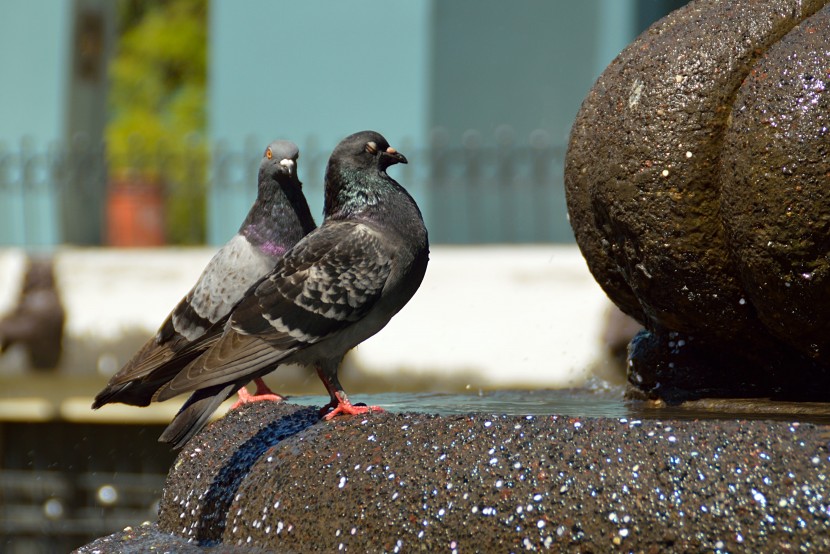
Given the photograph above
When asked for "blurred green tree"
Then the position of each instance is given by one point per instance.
(155, 134)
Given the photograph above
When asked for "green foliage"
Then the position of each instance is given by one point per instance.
(157, 107)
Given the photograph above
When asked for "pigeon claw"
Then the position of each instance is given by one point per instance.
(344, 407)
(263, 393)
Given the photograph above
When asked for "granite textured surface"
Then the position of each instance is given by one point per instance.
(696, 179)
(272, 477)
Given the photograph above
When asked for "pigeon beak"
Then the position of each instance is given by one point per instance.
(394, 157)
(291, 165)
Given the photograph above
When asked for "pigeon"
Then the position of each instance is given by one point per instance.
(338, 286)
(38, 319)
(278, 219)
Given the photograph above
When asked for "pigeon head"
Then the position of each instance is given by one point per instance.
(280, 158)
(356, 178)
(280, 215)
(366, 150)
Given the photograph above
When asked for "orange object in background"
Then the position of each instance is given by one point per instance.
(135, 213)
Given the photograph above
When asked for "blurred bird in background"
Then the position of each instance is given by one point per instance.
(37, 321)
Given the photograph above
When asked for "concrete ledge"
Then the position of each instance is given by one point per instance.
(272, 477)
(471, 319)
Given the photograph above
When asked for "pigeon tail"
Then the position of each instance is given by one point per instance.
(140, 392)
(112, 394)
(195, 414)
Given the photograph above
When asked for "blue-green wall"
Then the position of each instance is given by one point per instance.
(508, 73)
(34, 59)
(34, 63)
(313, 72)
(49, 109)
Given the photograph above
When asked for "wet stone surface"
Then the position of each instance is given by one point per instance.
(147, 538)
(704, 214)
(272, 477)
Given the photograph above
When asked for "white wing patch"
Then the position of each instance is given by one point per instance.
(294, 333)
(189, 331)
(227, 277)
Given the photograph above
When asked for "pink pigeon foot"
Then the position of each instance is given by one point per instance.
(263, 393)
(342, 406)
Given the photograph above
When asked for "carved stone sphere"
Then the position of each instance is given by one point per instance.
(698, 185)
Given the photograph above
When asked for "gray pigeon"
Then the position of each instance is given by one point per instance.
(338, 286)
(278, 219)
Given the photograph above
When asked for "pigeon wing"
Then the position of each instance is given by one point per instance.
(329, 281)
(184, 334)
(226, 279)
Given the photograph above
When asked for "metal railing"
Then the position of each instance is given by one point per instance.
(471, 190)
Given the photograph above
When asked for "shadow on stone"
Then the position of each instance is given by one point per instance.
(224, 487)
(235, 447)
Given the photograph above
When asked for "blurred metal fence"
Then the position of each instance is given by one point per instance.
(65, 484)
(506, 191)
(473, 190)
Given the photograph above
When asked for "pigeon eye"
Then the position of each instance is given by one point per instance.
(371, 147)
(268, 153)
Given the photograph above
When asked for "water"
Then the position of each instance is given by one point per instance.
(602, 402)
(531, 402)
